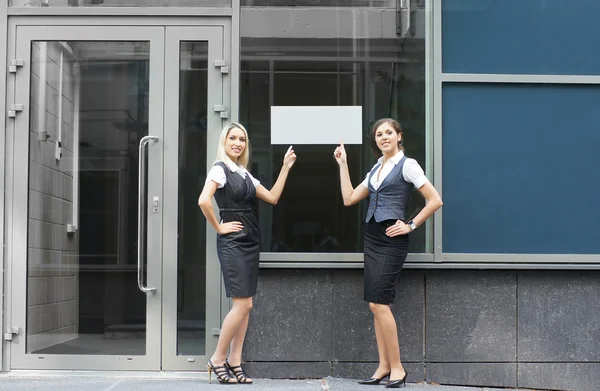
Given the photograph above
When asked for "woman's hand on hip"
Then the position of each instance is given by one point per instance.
(340, 154)
(290, 158)
(398, 229)
(232, 226)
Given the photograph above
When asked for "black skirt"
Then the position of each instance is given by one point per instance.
(239, 256)
(384, 258)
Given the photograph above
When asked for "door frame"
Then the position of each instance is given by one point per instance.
(16, 218)
(19, 199)
(216, 81)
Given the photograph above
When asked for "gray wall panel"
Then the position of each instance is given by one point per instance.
(291, 320)
(354, 339)
(560, 376)
(559, 316)
(475, 374)
(471, 316)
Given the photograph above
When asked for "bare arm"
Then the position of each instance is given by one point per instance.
(205, 203)
(272, 196)
(434, 202)
(350, 195)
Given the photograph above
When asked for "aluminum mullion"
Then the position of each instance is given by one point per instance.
(437, 126)
(510, 78)
(119, 11)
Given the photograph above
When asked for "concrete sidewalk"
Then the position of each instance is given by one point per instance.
(96, 383)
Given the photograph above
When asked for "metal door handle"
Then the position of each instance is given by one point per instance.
(142, 211)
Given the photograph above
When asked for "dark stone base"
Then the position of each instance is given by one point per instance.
(527, 329)
(473, 374)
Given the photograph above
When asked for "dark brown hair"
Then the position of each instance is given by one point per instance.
(395, 125)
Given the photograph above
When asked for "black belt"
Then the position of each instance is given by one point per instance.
(232, 210)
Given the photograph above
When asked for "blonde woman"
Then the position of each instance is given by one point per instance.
(238, 241)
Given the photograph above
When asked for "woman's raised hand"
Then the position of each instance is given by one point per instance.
(340, 154)
(290, 158)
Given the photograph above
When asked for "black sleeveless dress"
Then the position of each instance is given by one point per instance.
(238, 251)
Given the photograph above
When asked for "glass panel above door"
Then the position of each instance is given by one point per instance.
(88, 110)
(120, 3)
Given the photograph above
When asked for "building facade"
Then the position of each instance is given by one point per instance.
(113, 111)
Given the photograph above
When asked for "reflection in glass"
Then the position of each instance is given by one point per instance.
(324, 64)
(88, 111)
(191, 257)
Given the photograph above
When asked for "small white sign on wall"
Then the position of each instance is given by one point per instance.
(295, 125)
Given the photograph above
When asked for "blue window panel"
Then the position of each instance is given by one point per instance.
(521, 36)
(521, 169)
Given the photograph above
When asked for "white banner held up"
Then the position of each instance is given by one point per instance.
(294, 125)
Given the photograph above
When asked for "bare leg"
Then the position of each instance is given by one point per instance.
(235, 350)
(237, 316)
(384, 366)
(237, 343)
(387, 323)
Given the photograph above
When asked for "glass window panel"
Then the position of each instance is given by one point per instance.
(334, 61)
(89, 105)
(519, 168)
(191, 246)
(521, 37)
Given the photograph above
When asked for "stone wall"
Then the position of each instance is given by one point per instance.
(531, 329)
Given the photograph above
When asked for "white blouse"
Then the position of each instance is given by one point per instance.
(217, 174)
(411, 171)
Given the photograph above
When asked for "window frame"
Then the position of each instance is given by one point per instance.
(436, 258)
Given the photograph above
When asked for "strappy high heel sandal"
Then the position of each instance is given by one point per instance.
(222, 373)
(239, 373)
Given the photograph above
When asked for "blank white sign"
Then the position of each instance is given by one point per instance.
(316, 125)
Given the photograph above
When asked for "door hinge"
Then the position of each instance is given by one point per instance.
(8, 336)
(216, 331)
(221, 109)
(15, 64)
(405, 14)
(14, 109)
(223, 65)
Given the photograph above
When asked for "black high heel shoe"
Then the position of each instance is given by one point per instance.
(397, 383)
(239, 373)
(372, 381)
(222, 373)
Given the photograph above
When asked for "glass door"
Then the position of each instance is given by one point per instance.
(112, 266)
(86, 219)
(196, 106)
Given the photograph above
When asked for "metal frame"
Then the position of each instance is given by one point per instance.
(492, 261)
(433, 156)
(18, 202)
(220, 19)
(217, 35)
(429, 105)
(437, 259)
(440, 266)
(121, 11)
(3, 128)
(515, 79)
(436, 36)
(216, 94)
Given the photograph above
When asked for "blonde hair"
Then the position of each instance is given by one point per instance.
(222, 156)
